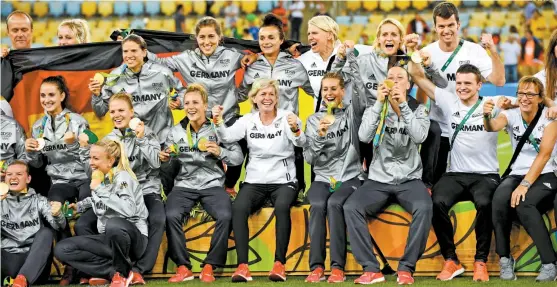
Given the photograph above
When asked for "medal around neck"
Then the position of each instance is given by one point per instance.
(330, 118)
(134, 123)
(416, 58)
(4, 188)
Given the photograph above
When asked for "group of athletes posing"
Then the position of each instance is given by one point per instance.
(364, 114)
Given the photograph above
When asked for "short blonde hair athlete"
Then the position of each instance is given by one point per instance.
(326, 24)
(261, 84)
(401, 30)
(80, 30)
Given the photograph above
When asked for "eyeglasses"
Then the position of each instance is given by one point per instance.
(527, 95)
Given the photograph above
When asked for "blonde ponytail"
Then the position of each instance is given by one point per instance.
(117, 150)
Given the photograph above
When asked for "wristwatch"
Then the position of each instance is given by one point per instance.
(525, 183)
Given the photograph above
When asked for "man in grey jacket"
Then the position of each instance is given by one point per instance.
(395, 172)
(26, 242)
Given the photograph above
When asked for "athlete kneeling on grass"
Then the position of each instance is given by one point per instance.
(333, 150)
(122, 220)
(529, 188)
(271, 134)
(142, 148)
(26, 242)
(195, 145)
(395, 172)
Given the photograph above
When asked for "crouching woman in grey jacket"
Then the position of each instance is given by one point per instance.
(333, 150)
(395, 173)
(26, 242)
(122, 220)
(196, 147)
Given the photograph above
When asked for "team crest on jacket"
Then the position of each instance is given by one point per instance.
(289, 73)
(156, 86)
(256, 76)
(224, 62)
(6, 135)
(277, 125)
(123, 185)
(314, 65)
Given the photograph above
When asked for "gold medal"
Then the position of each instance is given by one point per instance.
(202, 144)
(390, 84)
(99, 78)
(41, 143)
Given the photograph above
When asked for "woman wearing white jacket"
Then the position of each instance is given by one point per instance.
(271, 136)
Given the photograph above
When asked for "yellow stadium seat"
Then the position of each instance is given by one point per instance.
(39, 27)
(370, 5)
(106, 8)
(376, 18)
(402, 4)
(169, 25)
(40, 9)
(248, 6)
(154, 24)
(168, 7)
(199, 7)
(106, 24)
(88, 8)
(504, 3)
(3, 30)
(520, 3)
(52, 24)
(487, 3)
(420, 4)
(353, 5)
(22, 6)
(387, 5)
(122, 23)
(215, 9)
(188, 7)
(497, 18)
(190, 25)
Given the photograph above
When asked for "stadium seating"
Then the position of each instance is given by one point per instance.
(168, 7)
(402, 4)
(248, 6)
(387, 5)
(106, 8)
(40, 9)
(152, 8)
(6, 9)
(122, 8)
(265, 6)
(73, 8)
(370, 5)
(200, 7)
(88, 9)
(352, 5)
(137, 8)
(55, 8)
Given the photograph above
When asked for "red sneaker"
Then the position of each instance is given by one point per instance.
(337, 276)
(404, 278)
(98, 282)
(121, 281)
(278, 273)
(480, 272)
(137, 279)
(206, 274)
(370, 278)
(317, 275)
(182, 274)
(450, 271)
(20, 281)
(241, 274)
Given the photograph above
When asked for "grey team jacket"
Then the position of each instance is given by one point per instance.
(22, 216)
(121, 198)
(368, 71)
(200, 170)
(337, 154)
(397, 159)
(149, 89)
(290, 74)
(143, 155)
(216, 72)
(64, 165)
(12, 144)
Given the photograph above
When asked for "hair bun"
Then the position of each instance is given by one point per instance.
(272, 20)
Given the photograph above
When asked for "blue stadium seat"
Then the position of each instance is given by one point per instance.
(55, 8)
(137, 24)
(121, 8)
(360, 19)
(73, 8)
(7, 8)
(343, 20)
(470, 3)
(265, 6)
(493, 30)
(136, 8)
(153, 7)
